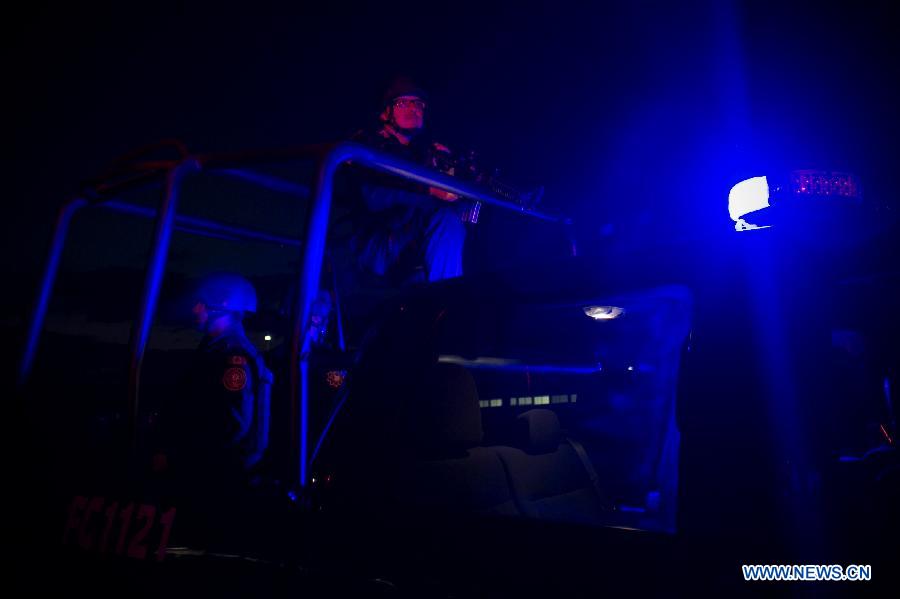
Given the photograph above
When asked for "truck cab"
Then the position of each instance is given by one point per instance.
(578, 422)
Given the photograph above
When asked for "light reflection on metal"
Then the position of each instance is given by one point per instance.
(603, 312)
(57, 243)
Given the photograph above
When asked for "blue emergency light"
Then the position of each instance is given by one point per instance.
(758, 193)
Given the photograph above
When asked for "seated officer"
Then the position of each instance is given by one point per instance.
(221, 419)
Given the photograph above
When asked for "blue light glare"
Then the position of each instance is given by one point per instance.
(747, 196)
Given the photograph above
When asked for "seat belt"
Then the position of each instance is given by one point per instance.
(592, 473)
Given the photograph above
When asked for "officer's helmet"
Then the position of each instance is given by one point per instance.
(227, 292)
(402, 86)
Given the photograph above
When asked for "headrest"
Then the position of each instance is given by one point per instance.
(541, 430)
(447, 414)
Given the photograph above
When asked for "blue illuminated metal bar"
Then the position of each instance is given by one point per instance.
(140, 333)
(203, 227)
(57, 243)
(376, 160)
(310, 272)
(269, 182)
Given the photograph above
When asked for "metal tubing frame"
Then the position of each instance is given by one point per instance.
(310, 272)
(140, 333)
(376, 160)
(330, 158)
(187, 224)
(203, 227)
(269, 182)
(39, 313)
(313, 253)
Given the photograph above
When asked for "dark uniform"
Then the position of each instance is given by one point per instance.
(229, 372)
(402, 231)
(222, 416)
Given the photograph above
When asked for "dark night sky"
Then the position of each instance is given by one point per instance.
(628, 112)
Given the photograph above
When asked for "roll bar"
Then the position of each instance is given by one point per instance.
(311, 243)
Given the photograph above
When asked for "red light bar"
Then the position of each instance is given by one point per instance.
(825, 183)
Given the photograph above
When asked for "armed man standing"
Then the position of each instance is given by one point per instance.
(405, 232)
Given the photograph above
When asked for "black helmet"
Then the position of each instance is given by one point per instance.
(402, 86)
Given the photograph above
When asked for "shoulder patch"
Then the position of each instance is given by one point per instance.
(237, 360)
(235, 378)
